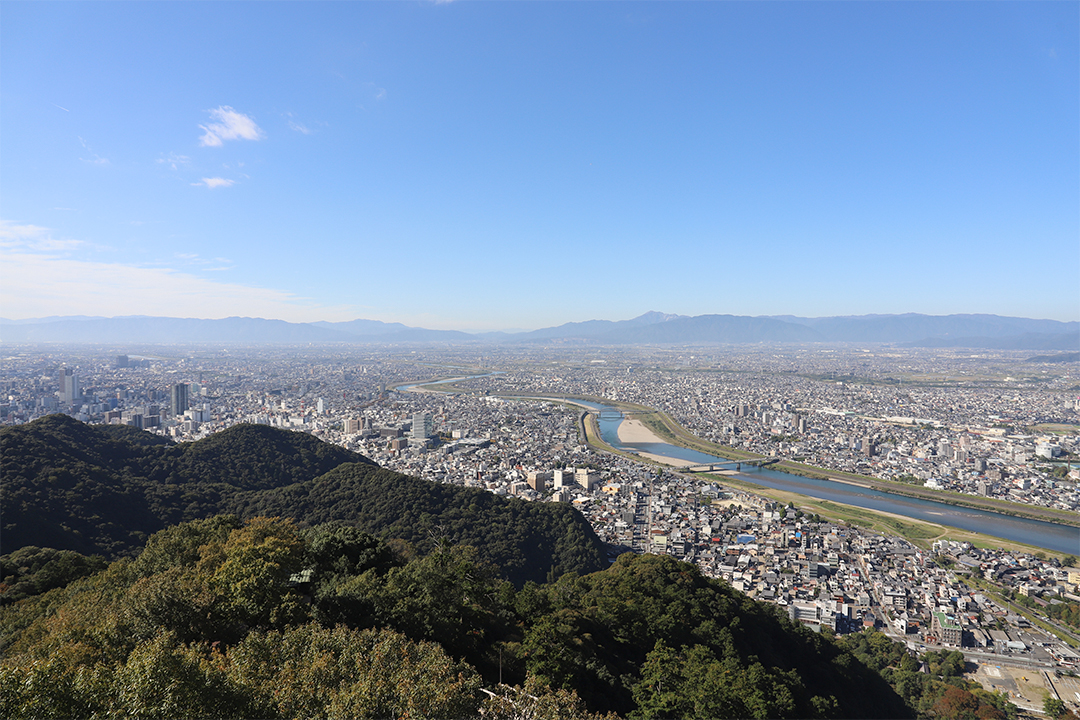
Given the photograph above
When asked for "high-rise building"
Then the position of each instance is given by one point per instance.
(421, 427)
(538, 480)
(587, 478)
(69, 386)
(178, 399)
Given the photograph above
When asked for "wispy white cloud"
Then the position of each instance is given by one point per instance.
(62, 108)
(173, 160)
(379, 93)
(296, 124)
(36, 281)
(95, 159)
(230, 125)
(216, 182)
(194, 259)
(33, 238)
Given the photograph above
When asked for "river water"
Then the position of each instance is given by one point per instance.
(1046, 535)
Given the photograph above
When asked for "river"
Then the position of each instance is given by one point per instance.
(1046, 535)
(1037, 533)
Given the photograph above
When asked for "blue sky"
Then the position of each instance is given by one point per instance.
(487, 165)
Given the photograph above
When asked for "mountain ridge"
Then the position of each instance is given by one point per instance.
(651, 328)
(103, 489)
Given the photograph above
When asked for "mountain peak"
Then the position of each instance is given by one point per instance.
(652, 317)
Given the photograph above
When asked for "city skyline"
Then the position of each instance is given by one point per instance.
(519, 166)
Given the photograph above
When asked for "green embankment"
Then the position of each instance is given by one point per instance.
(917, 532)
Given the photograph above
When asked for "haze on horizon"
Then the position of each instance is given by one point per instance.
(489, 166)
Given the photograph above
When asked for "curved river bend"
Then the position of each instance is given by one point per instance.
(1038, 533)
(1046, 535)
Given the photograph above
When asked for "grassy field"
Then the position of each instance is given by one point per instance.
(1055, 429)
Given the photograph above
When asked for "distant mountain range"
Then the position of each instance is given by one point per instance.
(652, 328)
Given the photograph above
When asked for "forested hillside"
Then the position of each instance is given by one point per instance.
(262, 619)
(524, 540)
(103, 489)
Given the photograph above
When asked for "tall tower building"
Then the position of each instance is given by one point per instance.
(70, 392)
(421, 426)
(178, 399)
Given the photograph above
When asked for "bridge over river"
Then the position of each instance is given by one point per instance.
(1056, 537)
(727, 465)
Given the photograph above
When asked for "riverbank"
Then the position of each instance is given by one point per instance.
(652, 426)
(634, 431)
(637, 428)
(665, 429)
(918, 532)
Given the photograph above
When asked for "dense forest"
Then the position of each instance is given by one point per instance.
(224, 618)
(104, 489)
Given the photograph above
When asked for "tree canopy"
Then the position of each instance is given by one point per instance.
(103, 490)
(225, 618)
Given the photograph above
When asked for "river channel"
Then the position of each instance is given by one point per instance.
(1037, 533)
(1046, 535)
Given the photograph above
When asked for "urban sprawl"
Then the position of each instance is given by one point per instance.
(992, 424)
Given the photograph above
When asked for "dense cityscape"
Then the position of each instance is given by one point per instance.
(996, 424)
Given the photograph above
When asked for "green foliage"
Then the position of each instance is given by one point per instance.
(537, 701)
(693, 683)
(1065, 612)
(33, 570)
(256, 563)
(997, 700)
(304, 671)
(624, 637)
(219, 618)
(1053, 707)
(97, 489)
(311, 671)
(940, 692)
(524, 541)
(946, 663)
